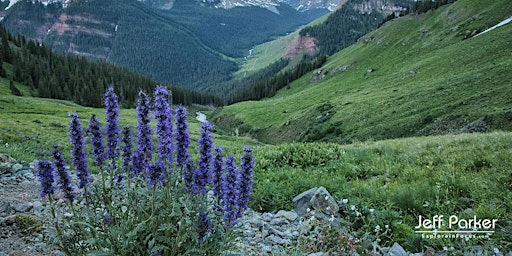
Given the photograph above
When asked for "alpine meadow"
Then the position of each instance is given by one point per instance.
(394, 117)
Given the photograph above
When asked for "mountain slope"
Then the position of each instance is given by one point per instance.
(190, 44)
(416, 75)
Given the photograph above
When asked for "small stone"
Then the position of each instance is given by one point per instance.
(37, 206)
(264, 233)
(276, 232)
(6, 209)
(23, 207)
(397, 250)
(289, 215)
(279, 240)
(9, 220)
(16, 168)
(279, 221)
(266, 248)
(316, 254)
(267, 216)
(29, 175)
(288, 234)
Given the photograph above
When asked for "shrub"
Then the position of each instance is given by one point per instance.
(150, 205)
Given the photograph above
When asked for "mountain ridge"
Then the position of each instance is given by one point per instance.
(200, 43)
(417, 75)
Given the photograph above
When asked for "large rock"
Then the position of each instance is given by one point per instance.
(318, 199)
(302, 202)
(323, 202)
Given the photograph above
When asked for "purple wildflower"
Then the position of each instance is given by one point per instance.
(204, 225)
(182, 136)
(145, 143)
(230, 192)
(98, 151)
(201, 176)
(163, 117)
(217, 168)
(112, 128)
(246, 179)
(45, 173)
(107, 219)
(78, 151)
(155, 253)
(63, 180)
(127, 148)
(137, 164)
(155, 173)
(187, 175)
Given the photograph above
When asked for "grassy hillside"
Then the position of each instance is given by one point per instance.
(463, 175)
(269, 52)
(30, 126)
(416, 75)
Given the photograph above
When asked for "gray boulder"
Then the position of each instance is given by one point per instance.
(302, 202)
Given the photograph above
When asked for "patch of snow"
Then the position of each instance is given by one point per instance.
(11, 3)
(507, 20)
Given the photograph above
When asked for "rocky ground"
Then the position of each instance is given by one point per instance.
(19, 191)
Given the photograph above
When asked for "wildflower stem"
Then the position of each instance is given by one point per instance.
(57, 227)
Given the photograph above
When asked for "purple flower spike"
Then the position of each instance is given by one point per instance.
(78, 151)
(182, 136)
(145, 143)
(45, 173)
(217, 169)
(187, 175)
(98, 151)
(163, 117)
(246, 179)
(230, 192)
(63, 180)
(204, 225)
(155, 174)
(112, 128)
(201, 176)
(127, 148)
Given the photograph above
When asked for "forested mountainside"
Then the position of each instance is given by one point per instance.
(191, 44)
(50, 75)
(429, 72)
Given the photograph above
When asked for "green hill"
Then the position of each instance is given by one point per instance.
(416, 75)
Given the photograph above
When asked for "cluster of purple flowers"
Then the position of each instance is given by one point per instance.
(76, 138)
(163, 117)
(98, 150)
(64, 180)
(230, 184)
(112, 129)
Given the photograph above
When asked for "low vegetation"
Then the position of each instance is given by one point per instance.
(463, 175)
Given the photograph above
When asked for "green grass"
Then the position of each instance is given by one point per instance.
(461, 175)
(422, 84)
(30, 126)
(266, 54)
